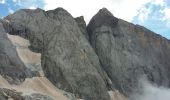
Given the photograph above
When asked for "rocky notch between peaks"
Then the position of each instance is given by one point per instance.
(109, 54)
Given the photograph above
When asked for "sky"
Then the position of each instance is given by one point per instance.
(153, 14)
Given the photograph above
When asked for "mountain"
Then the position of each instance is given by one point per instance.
(127, 51)
(58, 57)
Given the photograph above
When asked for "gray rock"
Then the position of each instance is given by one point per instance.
(15, 27)
(8, 94)
(37, 96)
(82, 25)
(128, 52)
(121, 51)
(68, 60)
(11, 67)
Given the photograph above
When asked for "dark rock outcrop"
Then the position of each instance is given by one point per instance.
(68, 60)
(127, 52)
(82, 25)
(6, 94)
(11, 67)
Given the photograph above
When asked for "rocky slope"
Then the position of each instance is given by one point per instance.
(128, 52)
(32, 88)
(68, 60)
(11, 67)
(92, 63)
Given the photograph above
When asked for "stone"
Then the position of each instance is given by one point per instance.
(36, 96)
(68, 60)
(82, 25)
(128, 52)
(11, 67)
(109, 54)
(8, 94)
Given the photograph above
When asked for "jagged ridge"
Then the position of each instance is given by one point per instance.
(110, 54)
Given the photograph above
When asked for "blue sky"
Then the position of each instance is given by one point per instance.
(153, 14)
(154, 17)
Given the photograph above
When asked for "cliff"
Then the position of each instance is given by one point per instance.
(101, 61)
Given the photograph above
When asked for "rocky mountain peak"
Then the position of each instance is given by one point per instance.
(103, 17)
(89, 61)
(121, 46)
(105, 11)
(59, 11)
(82, 25)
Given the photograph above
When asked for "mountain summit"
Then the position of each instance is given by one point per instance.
(104, 60)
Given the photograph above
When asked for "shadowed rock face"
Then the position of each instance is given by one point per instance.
(82, 25)
(68, 60)
(11, 67)
(128, 52)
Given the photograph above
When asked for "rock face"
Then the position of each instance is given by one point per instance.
(11, 67)
(22, 22)
(82, 25)
(68, 60)
(127, 52)
(110, 54)
(31, 60)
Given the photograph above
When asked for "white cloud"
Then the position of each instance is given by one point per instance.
(144, 13)
(148, 12)
(17, 2)
(148, 91)
(10, 11)
(14, 0)
(87, 8)
(29, 3)
(159, 2)
(166, 13)
(2, 1)
(129, 8)
(32, 7)
(124, 9)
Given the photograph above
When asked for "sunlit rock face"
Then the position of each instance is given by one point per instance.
(128, 52)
